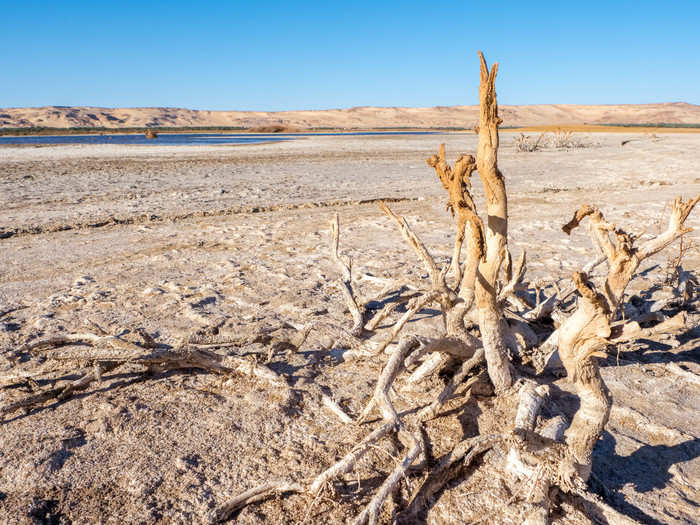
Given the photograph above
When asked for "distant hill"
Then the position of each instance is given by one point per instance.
(359, 117)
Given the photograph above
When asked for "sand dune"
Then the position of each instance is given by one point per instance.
(359, 117)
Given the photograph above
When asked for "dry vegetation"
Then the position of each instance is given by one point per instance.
(559, 139)
(273, 128)
(500, 337)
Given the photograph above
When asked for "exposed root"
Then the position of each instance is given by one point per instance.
(254, 495)
(336, 409)
(385, 312)
(411, 348)
(427, 368)
(120, 352)
(345, 465)
(415, 306)
(432, 410)
(60, 393)
(559, 454)
(394, 366)
(600, 511)
(370, 514)
(464, 453)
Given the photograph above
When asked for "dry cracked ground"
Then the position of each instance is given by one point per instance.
(176, 241)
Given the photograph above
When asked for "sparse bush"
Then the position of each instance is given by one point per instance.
(559, 139)
(527, 144)
(562, 139)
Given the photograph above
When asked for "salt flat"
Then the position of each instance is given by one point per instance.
(176, 240)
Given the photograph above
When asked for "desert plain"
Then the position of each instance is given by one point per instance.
(175, 241)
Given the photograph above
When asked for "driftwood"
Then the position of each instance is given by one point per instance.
(107, 353)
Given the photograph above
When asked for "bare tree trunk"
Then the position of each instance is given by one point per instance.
(490, 316)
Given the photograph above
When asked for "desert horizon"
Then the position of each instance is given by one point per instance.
(478, 314)
(359, 117)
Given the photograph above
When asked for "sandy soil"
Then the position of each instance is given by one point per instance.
(179, 240)
(358, 118)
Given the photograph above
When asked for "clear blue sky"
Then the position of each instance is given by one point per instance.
(269, 55)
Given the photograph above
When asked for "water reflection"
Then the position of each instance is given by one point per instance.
(184, 139)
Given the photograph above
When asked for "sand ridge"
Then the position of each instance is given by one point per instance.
(352, 118)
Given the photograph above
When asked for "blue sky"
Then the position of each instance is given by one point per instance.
(315, 55)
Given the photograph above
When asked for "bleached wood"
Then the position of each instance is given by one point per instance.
(346, 280)
(385, 312)
(254, 495)
(588, 330)
(348, 462)
(415, 306)
(336, 409)
(431, 410)
(370, 514)
(457, 182)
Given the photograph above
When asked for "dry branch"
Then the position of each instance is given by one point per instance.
(121, 352)
(60, 393)
(253, 495)
(436, 277)
(457, 182)
(346, 280)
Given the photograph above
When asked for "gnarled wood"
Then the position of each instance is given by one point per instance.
(584, 335)
(496, 234)
(457, 182)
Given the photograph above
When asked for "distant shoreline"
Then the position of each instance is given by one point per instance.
(82, 119)
(18, 132)
(582, 128)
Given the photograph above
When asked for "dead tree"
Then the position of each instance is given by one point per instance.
(484, 284)
(487, 335)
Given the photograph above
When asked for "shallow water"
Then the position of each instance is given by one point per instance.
(183, 139)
